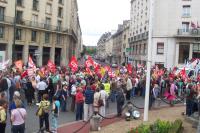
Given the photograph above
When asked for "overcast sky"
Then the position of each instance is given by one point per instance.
(100, 16)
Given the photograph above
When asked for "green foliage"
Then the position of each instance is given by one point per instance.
(159, 127)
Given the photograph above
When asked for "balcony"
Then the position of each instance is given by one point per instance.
(188, 33)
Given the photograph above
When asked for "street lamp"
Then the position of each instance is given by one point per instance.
(14, 33)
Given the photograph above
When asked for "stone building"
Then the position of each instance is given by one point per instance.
(44, 29)
(176, 33)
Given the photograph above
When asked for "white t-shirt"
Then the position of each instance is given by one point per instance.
(41, 85)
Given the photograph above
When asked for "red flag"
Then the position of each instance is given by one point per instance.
(129, 68)
(51, 66)
(88, 71)
(107, 68)
(19, 64)
(24, 74)
(193, 25)
(30, 71)
(183, 73)
(89, 62)
(73, 64)
(30, 62)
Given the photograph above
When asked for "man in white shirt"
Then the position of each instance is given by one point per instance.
(41, 86)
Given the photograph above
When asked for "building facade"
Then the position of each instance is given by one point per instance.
(175, 37)
(120, 43)
(44, 29)
(104, 46)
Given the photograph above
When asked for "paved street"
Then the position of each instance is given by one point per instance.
(32, 121)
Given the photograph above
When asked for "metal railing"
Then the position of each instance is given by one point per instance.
(139, 37)
(189, 32)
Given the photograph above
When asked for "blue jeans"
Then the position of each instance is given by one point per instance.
(113, 95)
(189, 107)
(63, 105)
(79, 111)
(133, 92)
(54, 122)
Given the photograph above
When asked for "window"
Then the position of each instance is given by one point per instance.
(34, 36)
(18, 34)
(183, 53)
(60, 12)
(60, 1)
(160, 48)
(35, 5)
(1, 31)
(34, 20)
(2, 11)
(19, 17)
(196, 50)
(47, 37)
(59, 25)
(19, 2)
(186, 11)
(59, 38)
(47, 23)
(48, 8)
(185, 26)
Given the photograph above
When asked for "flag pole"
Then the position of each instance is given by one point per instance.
(146, 103)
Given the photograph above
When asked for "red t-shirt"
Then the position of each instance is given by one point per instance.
(79, 97)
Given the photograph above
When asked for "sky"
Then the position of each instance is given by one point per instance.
(99, 16)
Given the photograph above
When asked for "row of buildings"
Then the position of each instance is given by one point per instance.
(43, 29)
(175, 35)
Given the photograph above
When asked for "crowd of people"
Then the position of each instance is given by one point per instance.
(88, 93)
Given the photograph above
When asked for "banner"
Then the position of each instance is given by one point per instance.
(19, 64)
(73, 64)
(51, 66)
(129, 68)
(31, 64)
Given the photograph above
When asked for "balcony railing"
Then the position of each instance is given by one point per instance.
(34, 24)
(188, 32)
(139, 37)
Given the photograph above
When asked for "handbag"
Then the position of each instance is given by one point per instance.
(40, 112)
(100, 101)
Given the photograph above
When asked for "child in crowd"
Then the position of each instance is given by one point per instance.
(55, 114)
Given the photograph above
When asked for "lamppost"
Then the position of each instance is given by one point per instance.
(14, 33)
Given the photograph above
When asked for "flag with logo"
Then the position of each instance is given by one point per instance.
(89, 62)
(73, 64)
(51, 66)
(19, 64)
(31, 64)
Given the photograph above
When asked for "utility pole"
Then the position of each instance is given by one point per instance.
(148, 78)
(14, 33)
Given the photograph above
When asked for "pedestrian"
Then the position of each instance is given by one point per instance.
(73, 96)
(79, 104)
(103, 96)
(120, 101)
(41, 86)
(29, 92)
(55, 114)
(128, 88)
(88, 107)
(3, 115)
(96, 101)
(64, 95)
(44, 105)
(18, 117)
(34, 85)
(50, 89)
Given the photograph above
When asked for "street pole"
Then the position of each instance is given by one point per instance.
(146, 104)
(14, 34)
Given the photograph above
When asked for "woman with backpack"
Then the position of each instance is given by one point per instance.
(55, 114)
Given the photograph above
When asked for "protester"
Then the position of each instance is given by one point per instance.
(29, 92)
(96, 101)
(103, 96)
(3, 115)
(64, 95)
(50, 89)
(44, 105)
(128, 88)
(18, 117)
(73, 96)
(120, 100)
(55, 114)
(79, 104)
(41, 86)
